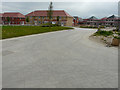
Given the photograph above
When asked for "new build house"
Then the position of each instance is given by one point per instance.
(106, 21)
(41, 16)
(111, 21)
(77, 20)
(13, 18)
(91, 21)
(0, 18)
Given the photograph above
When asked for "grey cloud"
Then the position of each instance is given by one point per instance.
(82, 9)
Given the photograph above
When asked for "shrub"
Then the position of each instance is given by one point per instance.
(104, 33)
(102, 26)
(117, 37)
(91, 27)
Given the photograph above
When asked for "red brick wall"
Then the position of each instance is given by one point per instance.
(0, 20)
(15, 21)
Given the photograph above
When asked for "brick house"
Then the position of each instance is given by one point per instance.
(92, 21)
(0, 18)
(111, 21)
(40, 17)
(106, 21)
(13, 18)
(102, 21)
(77, 20)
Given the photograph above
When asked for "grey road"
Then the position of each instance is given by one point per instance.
(62, 59)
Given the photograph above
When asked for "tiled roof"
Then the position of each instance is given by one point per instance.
(113, 16)
(93, 17)
(103, 18)
(13, 14)
(44, 13)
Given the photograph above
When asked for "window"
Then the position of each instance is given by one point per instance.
(39, 22)
(35, 17)
(39, 17)
(43, 17)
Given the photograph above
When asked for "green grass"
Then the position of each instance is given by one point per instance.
(16, 31)
(103, 33)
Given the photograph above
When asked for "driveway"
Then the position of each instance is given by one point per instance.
(62, 59)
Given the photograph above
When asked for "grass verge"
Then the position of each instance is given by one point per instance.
(16, 31)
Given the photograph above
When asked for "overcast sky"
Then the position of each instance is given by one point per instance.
(81, 9)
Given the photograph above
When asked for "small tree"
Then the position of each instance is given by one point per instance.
(27, 19)
(58, 20)
(50, 12)
(8, 20)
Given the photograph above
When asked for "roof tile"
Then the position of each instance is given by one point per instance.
(13, 14)
(44, 13)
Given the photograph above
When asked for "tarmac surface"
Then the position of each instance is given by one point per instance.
(62, 59)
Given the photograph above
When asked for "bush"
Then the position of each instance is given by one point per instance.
(88, 27)
(102, 26)
(94, 27)
(104, 33)
(117, 37)
(118, 33)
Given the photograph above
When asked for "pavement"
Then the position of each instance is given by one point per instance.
(62, 59)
